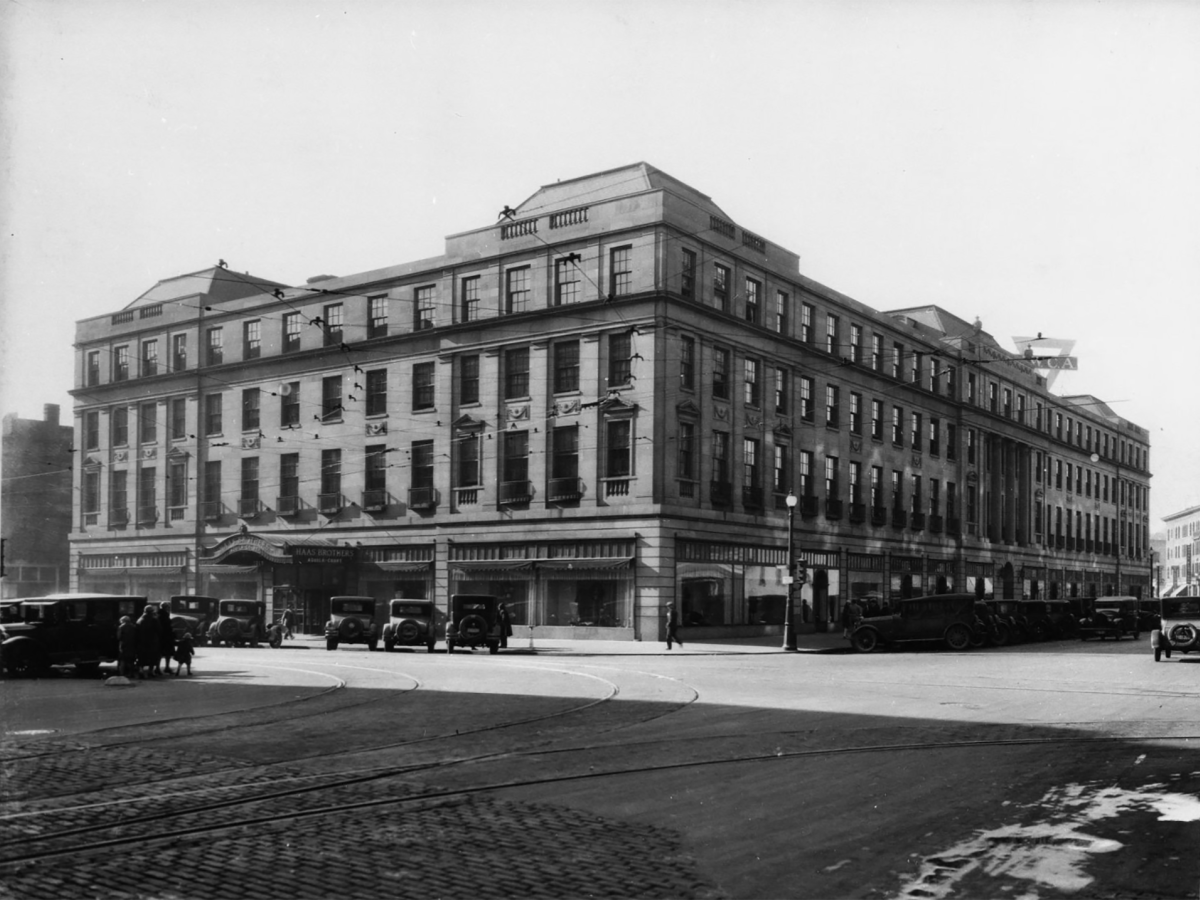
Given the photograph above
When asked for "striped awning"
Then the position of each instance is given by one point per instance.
(605, 564)
(218, 569)
(405, 566)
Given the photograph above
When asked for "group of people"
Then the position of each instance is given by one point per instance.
(147, 647)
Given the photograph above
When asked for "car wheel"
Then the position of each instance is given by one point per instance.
(978, 639)
(864, 640)
(331, 643)
(23, 662)
(1000, 635)
(958, 637)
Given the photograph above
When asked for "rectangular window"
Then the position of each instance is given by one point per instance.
(807, 312)
(249, 479)
(289, 475)
(566, 280)
(212, 414)
(856, 343)
(935, 429)
(119, 424)
(566, 366)
(565, 452)
(687, 280)
(972, 446)
(377, 389)
(617, 440)
(993, 397)
(331, 472)
(91, 431)
(377, 316)
(720, 376)
(751, 389)
(753, 301)
(149, 358)
(1021, 415)
(897, 360)
(855, 412)
(118, 503)
(148, 423)
(782, 391)
(898, 426)
(467, 447)
(468, 380)
(721, 287)
(516, 373)
(331, 398)
(177, 418)
(877, 352)
(422, 465)
(951, 500)
(212, 485)
(916, 368)
(720, 453)
(782, 301)
(877, 487)
(334, 335)
(470, 299)
(935, 497)
(831, 405)
(855, 482)
(516, 457)
(687, 451)
(422, 385)
(951, 441)
(751, 475)
(972, 389)
(517, 290)
(877, 419)
(687, 363)
(831, 333)
(90, 496)
(423, 307)
(291, 332)
(179, 352)
(935, 375)
(806, 474)
(147, 495)
(806, 398)
(252, 339)
(781, 479)
(620, 359)
(376, 467)
(1008, 406)
(120, 363)
(621, 270)
(250, 410)
(289, 404)
(832, 489)
(916, 494)
(216, 346)
(93, 368)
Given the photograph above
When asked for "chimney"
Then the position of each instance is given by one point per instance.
(50, 413)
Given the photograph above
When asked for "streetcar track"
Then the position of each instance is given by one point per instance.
(440, 796)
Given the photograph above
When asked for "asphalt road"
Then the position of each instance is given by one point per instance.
(1051, 770)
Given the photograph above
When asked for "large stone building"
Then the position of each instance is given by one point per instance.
(35, 504)
(594, 406)
(1180, 565)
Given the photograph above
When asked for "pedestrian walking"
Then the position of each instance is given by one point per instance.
(672, 626)
(504, 618)
(288, 620)
(166, 637)
(184, 651)
(127, 648)
(147, 640)
(851, 613)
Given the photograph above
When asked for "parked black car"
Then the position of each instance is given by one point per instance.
(410, 623)
(474, 622)
(193, 615)
(1049, 619)
(952, 618)
(1112, 617)
(65, 629)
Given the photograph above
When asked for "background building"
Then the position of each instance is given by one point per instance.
(1180, 565)
(35, 504)
(594, 406)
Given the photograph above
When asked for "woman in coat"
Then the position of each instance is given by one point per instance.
(166, 638)
(147, 640)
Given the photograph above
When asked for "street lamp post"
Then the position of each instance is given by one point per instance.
(789, 631)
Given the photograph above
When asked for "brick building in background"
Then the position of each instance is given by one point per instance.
(35, 504)
(595, 405)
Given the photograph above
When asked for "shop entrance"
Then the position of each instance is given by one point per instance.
(312, 586)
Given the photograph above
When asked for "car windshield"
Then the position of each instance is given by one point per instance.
(10, 612)
(1181, 607)
(349, 607)
(410, 609)
(237, 609)
(187, 604)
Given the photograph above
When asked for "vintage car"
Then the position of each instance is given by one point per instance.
(10, 611)
(351, 621)
(410, 623)
(1049, 619)
(193, 615)
(65, 629)
(1008, 619)
(1112, 617)
(1180, 626)
(474, 622)
(951, 618)
(242, 622)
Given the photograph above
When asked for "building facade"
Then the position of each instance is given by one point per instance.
(592, 407)
(1180, 567)
(35, 504)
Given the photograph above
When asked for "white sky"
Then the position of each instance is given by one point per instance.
(1033, 164)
